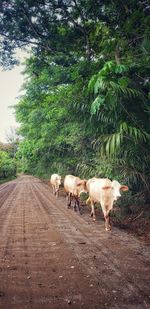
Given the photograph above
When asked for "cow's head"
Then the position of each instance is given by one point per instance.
(58, 180)
(81, 186)
(116, 187)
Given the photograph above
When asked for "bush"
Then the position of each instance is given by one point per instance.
(7, 165)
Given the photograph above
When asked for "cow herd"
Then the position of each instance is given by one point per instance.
(100, 190)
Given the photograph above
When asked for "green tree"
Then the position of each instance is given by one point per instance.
(57, 134)
(7, 165)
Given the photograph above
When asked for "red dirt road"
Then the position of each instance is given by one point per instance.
(51, 257)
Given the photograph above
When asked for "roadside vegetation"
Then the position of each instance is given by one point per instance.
(8, 164)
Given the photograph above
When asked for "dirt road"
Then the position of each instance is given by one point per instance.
(51, 257)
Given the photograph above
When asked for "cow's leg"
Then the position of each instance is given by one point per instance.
(107, 220)
(53, 189)
(69, 199)
(77, 204)
(91, 203)
(56, 192)
(92, 214)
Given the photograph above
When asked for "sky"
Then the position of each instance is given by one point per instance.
(10, 86)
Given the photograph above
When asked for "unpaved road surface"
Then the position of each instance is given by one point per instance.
(52, 257)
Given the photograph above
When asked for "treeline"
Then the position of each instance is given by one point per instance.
(86, 106)
(8, 165)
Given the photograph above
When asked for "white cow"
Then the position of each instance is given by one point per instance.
(73, 187)
(105, 192)
(55, 182)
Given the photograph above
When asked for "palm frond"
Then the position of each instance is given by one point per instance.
(98, 102)
(133, 132)
(125, 91)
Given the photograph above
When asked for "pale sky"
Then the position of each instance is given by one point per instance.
(10, 84)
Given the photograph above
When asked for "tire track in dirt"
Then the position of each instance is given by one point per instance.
(12, 253)
(5, 192)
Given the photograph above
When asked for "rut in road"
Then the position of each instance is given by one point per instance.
(38, 234)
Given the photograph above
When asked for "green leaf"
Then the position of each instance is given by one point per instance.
(98, 102)
(121, 68)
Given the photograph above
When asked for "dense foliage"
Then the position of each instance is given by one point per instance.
(86, 104)
(7, 161)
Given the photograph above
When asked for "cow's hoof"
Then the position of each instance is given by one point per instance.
(107, 228)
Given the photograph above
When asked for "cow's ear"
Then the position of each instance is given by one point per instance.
(124, 188)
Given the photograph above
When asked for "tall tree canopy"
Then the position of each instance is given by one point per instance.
(87, 88)
(82, 27)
